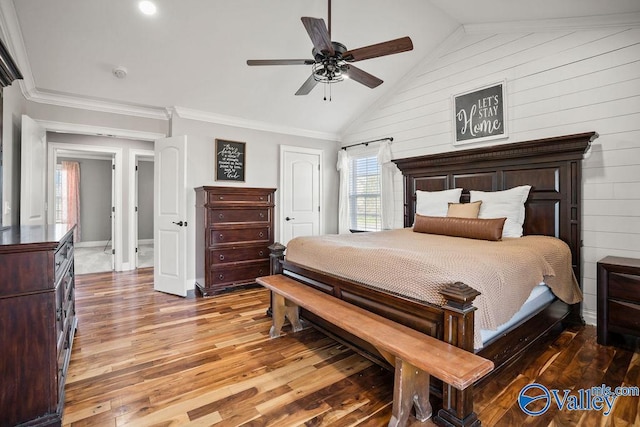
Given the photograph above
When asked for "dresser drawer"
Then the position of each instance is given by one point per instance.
(236, 235)
(243, 197)
(62, 256)
(239, 215)
(624, 286)
(244, 273)
(60, 314)
(624, 317)
(235, 254)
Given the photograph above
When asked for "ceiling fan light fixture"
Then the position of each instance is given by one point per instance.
(329, 72)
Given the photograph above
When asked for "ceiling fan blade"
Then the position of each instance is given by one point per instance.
(363, 77)
(319, 35)
(307, 86)
(280, 61)
(390, 47)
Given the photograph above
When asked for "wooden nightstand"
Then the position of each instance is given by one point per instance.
(618, 300)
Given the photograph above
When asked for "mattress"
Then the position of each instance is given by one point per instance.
(540, 296)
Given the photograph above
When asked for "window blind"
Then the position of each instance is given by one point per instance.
(364, 194)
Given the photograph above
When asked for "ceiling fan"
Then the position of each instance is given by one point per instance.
(332, 60)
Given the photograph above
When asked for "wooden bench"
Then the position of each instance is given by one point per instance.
(415, 355)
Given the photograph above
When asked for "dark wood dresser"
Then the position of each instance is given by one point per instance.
(618, 300)
(234, 227)
(37, 314)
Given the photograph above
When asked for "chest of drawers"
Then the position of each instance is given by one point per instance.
(618, 299)
(37, 314)
(234, 227)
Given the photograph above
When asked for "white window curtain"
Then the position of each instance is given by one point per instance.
(343, 202)
(387, 170)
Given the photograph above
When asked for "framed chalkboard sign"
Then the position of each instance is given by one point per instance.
(480, 115)
(231, 159)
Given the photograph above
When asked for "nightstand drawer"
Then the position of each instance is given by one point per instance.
(624, 317)
(624, 286)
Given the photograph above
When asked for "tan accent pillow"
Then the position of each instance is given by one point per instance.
(471, 228)
(464, 210)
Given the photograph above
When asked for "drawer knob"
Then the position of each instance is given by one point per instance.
(261, 197)
(221, 276)
(220, 236)
(261, 214)
(221, 197)
(221, 257)
(220, 216)
(260, 271)
(261, 234)
(58, 314)
(261, 253)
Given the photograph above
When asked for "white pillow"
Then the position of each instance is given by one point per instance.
(507, 203)
(436, 203)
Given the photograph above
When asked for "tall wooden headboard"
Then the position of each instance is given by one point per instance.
(552, 166)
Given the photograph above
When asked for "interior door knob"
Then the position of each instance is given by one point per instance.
(180, 223)
(288, 218)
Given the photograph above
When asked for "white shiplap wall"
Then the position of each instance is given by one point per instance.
(557, 83)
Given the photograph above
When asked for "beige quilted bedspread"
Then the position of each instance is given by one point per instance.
(417, 265)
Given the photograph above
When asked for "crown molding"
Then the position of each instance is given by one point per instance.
(12, 35)
(72, 101)
(559, 24)
(204, 116)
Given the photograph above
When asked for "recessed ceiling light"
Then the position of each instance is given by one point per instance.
(147, 7)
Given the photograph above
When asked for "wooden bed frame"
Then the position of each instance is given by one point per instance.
(552, 166)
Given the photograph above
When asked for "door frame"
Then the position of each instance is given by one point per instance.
(84, 129)
(134, 157)
(293, 149)
(53, 153)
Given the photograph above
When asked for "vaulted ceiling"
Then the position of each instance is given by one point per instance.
(191, 55)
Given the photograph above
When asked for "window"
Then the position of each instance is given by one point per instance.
(365, 213)
(60, 191)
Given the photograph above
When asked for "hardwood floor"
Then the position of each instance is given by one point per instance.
(145, 358)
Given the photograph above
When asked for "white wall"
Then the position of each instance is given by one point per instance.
(145, 200)
(558, 83)
(262, 168)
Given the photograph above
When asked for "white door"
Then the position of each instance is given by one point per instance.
(169, 229)
(33, 173)
(300, 192)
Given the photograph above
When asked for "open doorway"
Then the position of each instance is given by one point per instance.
(84, 195)
(142, 220)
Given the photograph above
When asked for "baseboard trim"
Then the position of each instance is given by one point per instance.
(590, 317)
(93, 244)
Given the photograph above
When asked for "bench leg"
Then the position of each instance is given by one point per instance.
(410, 388)
(281, 309)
